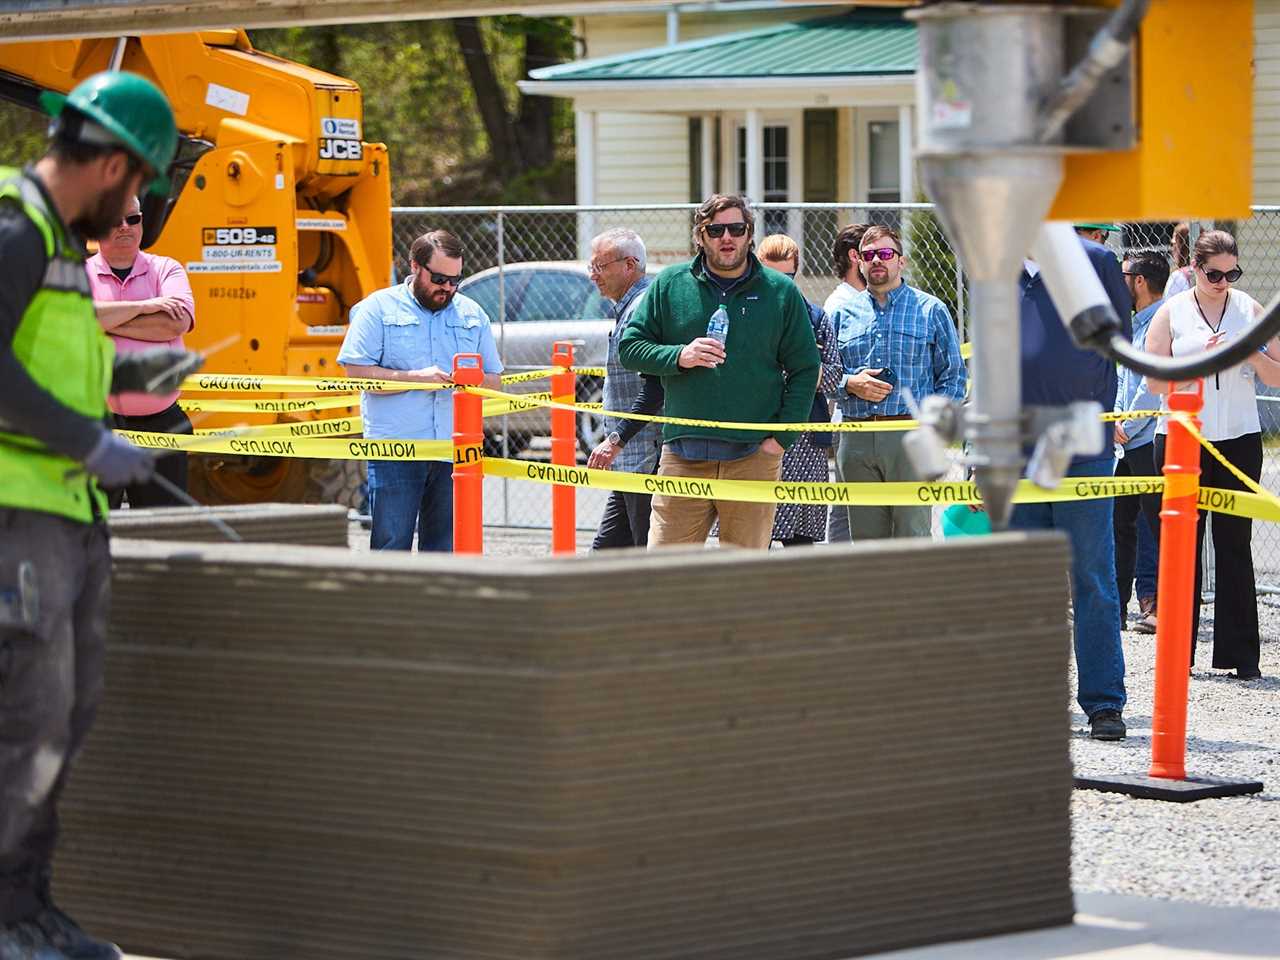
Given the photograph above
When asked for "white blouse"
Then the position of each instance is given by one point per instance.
(1230, 399)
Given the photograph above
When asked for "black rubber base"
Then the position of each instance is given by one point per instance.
(1175, 791)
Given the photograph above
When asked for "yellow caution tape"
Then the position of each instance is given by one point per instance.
(249, 383)
(846, 427)
(513, 403)
(296, 405)
(1257, 488)
(330, 427)
(898, 494)
(311, 448)
(966, 350)
(531, 375)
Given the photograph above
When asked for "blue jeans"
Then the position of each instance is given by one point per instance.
(1099, 655)
(404, 494)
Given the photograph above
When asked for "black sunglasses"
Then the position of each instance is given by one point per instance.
(716, 230)
(132, 219)
(443, 279)
(1217, 276)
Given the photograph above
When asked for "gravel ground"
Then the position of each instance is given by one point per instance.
(1219, 852)
(1216, 852)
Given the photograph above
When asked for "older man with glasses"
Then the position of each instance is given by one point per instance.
(617, 268)
(410, 333)
(143, 301)
(892, 338)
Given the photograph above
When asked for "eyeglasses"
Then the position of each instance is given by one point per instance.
(716, 230)
(881, 253)
(598, 268)
(443, 279)
(131, 220)
(1217, 276)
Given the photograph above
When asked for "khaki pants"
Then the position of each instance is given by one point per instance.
(684, 520)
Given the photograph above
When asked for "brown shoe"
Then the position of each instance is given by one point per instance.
(1146, 619)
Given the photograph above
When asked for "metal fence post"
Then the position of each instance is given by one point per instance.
(502, 352)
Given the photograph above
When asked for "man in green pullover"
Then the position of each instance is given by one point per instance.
(756, 362)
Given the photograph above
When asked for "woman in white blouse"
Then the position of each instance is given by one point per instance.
(1191, 322)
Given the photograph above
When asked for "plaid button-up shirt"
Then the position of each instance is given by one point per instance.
(622, 386)
(912, 335)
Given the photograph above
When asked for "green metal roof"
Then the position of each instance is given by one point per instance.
(872, 42)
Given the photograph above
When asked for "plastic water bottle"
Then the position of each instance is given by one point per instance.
(718, 325)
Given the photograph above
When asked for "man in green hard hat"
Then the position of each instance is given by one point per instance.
(113, 135)
(1097, 232)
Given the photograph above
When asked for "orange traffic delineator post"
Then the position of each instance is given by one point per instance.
(1175, 585)
(468, 455)
(564, 450)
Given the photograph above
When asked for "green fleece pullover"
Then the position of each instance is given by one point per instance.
(771, 368)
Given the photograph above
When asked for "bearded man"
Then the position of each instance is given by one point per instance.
(732, 342)
(410, 333)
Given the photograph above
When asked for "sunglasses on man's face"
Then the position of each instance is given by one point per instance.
(1217, 276)
(881, 253)
(716, 230)
(443, 279)
(132, 220)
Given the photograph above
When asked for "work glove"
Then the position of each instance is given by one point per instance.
(157, 371)
(118, 463)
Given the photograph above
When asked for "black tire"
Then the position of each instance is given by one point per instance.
(218, 480)
(338, 481)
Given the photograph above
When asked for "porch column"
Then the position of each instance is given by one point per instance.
(755, 156)
(585, 144)
(906, 143)
(708, 155)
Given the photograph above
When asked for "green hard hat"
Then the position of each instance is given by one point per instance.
(1105, 227)
(133, 113)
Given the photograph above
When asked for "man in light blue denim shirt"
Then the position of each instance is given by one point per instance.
(1137, 518)
(890, 337)
(410, 332)
(846, 257)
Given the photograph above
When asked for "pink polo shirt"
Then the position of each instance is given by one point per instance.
(152, 276)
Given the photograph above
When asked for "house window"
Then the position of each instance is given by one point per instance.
(776, 157)
(884, 184)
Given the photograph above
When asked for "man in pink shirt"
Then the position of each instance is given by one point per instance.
(143, 301)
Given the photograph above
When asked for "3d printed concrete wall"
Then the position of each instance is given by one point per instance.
(316, 754)
(318, 524)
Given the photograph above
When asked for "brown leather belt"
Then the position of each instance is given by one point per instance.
(877, 416)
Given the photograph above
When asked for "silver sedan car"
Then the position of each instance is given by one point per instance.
(531, 306)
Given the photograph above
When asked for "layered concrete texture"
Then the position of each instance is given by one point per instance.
(805, 754)
(323, 525)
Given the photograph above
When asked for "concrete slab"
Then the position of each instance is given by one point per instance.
(1111, 926)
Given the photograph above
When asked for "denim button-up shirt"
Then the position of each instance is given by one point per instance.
(1132, 392)
(912, 335)
(392, 329)
(622, 387)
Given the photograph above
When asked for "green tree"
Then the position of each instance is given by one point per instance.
(933, 261)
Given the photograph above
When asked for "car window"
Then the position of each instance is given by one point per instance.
(484, 291)
(559, 295)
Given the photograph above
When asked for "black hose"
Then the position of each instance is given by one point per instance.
(1107, 339)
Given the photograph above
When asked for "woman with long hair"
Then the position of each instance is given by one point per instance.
(806, 462)
(1182, 276)
(1189, 323)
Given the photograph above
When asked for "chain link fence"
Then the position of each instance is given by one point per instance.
(527, 267)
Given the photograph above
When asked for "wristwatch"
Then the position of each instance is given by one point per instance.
(614, 438)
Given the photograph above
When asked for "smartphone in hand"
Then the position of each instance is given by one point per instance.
(887, 376)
